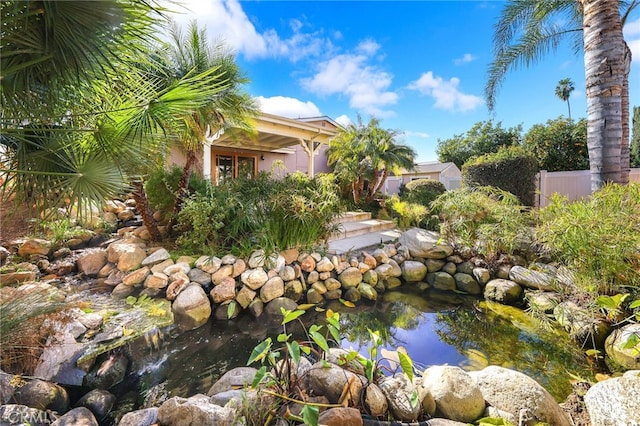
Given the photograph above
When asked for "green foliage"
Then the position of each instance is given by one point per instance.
(295, 211)
(485, 219)
(162, 184)
(635, 138)
(559, 145)
(422, 191)
(408, 213)
(511, 169)
(483, 138)
(597, 238)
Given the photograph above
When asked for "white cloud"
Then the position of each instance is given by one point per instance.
(465, 59)
(632, 36)
(445, 92)
(352, 75)
(288, 107)
(409, 133)
(344, 120)
(226, 20)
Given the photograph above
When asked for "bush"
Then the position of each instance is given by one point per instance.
(408, 214)
(485, 219)
(162, 184)
(511, 169)
(599, 238)
(245, 214)
(422, 191)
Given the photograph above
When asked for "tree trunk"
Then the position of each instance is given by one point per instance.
(142, 205)
(604, 71)
(182, 190)
(624, 150)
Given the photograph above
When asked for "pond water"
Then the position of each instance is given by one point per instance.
(433, 327)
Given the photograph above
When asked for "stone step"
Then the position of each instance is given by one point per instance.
(361, 227)
(367, 241)
(352, 217)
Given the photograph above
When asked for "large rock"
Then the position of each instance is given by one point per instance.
(398, 390)
(208, 264)
(375, 400)
(126, 256)
(589, 329)
(413, 271)
(194, 411)
(272, 289)
(91, 261)
(520, 397)
(341, 416)
(537, 280)
(144, 417)
(350, 277)
(467, 283)
(331, 381)
(17, 414)
(34, 246)
(156, 257)
(236, 378)
(43, 396)
(456, 395)
(423, 243)
(619, 356)
(98, 401)
(226, 290)
(615, 401)
(191, 308)
(503, 291)
(80, 416)
(254, 278)
(441, 281)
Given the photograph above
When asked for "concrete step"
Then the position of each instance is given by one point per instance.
(347, 217)
(353, 229)
(368, 241)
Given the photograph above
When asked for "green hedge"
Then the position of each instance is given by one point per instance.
(421, 191)
(511, 169)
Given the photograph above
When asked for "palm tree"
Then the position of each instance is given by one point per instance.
(563, 91)
(367, 153)
(528, 29)
(78, 118)
(231, 107)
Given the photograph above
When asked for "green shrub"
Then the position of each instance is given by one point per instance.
(408, 213)
(511, 169)
(422, 191)
(487, 220)
(272, 214)
(599, 238)
(162, 184)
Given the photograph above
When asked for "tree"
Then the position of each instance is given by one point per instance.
(366, 153)
(81, 113)
(529, 29)
(483, 138)
(635, 138)
(559, 145)
(563, 91)
(231, 107)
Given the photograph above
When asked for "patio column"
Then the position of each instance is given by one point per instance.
(209, 139)
(311, 149)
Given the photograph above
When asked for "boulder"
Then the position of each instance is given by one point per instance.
(191, 308)
(254, 278)
(194, 411)
(331, 381)
(208, 264)
(224, 291)
(225, 271)
(256, 260)
(236, 378)
(423, 243)
(350, 277)
(375, 400)
(589, 329)
(537, 280)
(466, 283)
(619, 356)
(398, 390)
(98, 401)
(144, 417)
(43, 396)
(441, 281)
(245, 296)
(325, 265)
(413, 271)
(456, 394)
(341, 416)
(515, 393)
(482, 275)
(17, 414)
(126, 256)
(136, 277)
(35, 246)
(199, 276)
(615, 401)
(156, 257)
(80, 416)
(91, 261)
(275, 307)
(272, 288)
(503, 291)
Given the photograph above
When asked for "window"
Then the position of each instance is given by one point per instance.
(230, 166)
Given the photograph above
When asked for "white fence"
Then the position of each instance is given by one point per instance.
(574, 185)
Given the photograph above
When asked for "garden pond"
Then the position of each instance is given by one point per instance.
(435, 329)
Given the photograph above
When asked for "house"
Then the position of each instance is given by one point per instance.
(278, 143)
(447, 173)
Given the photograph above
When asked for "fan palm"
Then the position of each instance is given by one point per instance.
(366, 152)
(79, 116)
(563, 91)
(231, 107)
(527, 29)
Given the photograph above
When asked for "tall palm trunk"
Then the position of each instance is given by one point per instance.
(604, 58)
(142, 204)
(625, 155)
(182, 190)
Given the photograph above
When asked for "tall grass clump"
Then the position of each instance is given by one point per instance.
(24, 312)
(487, 220)
(273, 214)
(598, 238)
(408, 213)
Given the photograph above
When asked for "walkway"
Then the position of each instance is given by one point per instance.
(358, 231)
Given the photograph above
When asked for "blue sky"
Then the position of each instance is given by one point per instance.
(418, 66)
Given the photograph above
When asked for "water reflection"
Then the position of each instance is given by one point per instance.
(434, 328)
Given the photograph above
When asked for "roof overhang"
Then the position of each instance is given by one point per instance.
(273, 132)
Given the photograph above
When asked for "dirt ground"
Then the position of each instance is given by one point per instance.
(14, 221)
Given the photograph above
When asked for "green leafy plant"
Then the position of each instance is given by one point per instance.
(422, 191)
(408, 213)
